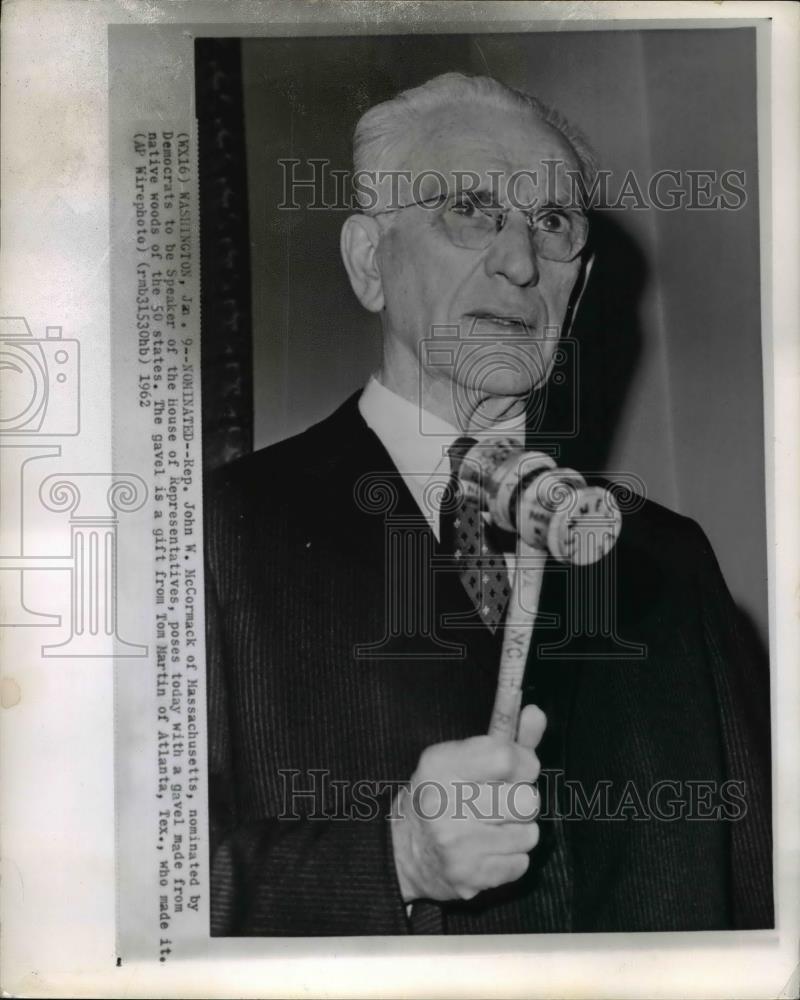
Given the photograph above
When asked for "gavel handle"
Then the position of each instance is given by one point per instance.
(518, 630)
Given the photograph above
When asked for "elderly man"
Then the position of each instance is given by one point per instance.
(353, 664)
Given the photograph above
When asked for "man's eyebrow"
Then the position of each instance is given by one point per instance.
(483, 195)
(486, 197)
(566, 205)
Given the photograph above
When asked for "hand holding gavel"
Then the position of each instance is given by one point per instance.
(467, 820)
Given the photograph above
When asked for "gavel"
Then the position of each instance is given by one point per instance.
(550, 510)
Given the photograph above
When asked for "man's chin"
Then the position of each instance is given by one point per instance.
(495, 399)
(504, 388)
(511, 372)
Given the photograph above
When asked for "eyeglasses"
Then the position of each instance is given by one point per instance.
(556, 233)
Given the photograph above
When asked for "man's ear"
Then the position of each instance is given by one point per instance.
(358, 244)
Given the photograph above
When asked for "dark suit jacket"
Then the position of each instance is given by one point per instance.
(316, 675)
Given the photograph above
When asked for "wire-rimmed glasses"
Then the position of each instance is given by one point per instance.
(557, 233)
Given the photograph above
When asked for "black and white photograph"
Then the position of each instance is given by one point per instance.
(485, 531)
(398, 499)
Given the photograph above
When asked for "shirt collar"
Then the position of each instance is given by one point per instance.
(397, 423)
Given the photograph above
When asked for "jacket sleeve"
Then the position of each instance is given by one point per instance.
(288, 877)
(306, 878)
(740, 675)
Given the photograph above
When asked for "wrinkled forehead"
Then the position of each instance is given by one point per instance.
(505, 151)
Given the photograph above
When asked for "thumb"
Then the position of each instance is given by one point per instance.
(532, 724)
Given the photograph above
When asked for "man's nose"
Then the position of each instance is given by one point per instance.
(511, 253)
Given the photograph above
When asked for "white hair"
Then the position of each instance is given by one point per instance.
(383, 129)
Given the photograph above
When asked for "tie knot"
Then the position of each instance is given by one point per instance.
(458, 449)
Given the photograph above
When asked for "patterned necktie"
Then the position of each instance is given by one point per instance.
(463, 531)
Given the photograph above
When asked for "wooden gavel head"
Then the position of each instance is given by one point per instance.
(550, 509)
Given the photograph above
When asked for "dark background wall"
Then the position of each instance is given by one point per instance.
(670, 380)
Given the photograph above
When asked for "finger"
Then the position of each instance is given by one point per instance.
(522, 804)
(526, 765)
(498, 870)
(532, 724)
(479, 758)
(485, 758)
(495, 802)
(511, 802)
(461, 860)
(508, 838)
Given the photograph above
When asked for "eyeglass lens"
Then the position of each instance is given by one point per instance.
(555, 234)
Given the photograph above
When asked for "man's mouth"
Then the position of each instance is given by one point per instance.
(512, 322)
